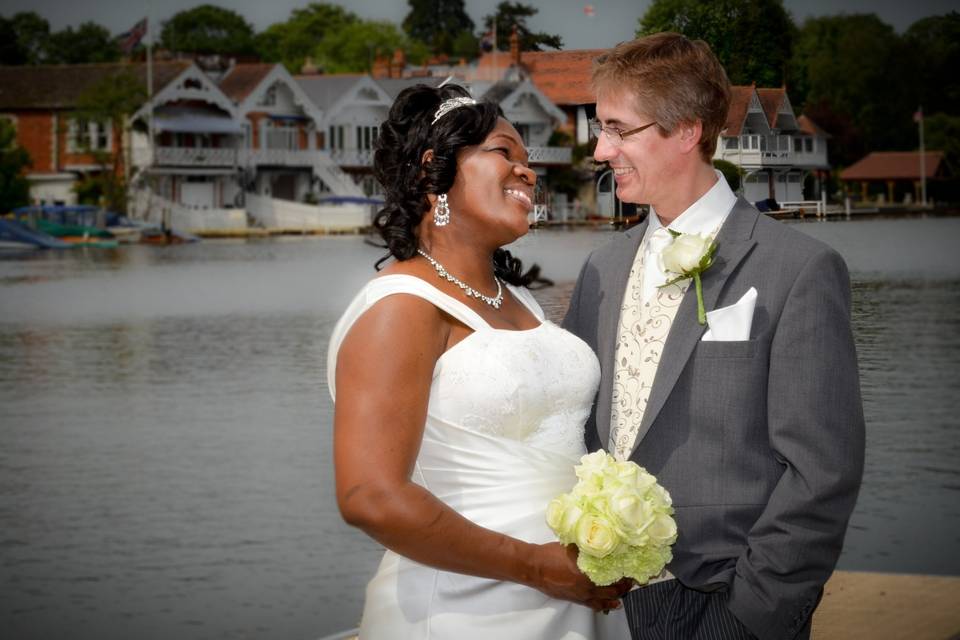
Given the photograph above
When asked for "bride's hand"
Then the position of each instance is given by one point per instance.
(558, 577)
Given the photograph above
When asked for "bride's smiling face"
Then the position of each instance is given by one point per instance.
(492, 192)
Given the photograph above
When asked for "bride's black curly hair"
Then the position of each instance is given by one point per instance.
(404, 137)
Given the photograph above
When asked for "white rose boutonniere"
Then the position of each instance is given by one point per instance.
(688, 256)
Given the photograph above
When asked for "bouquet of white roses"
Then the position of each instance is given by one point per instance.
(619, 518)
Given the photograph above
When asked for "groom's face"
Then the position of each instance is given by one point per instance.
(643, 162)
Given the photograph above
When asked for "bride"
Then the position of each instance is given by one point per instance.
(459, 409)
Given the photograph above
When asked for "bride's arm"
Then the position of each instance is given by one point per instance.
(384, 370)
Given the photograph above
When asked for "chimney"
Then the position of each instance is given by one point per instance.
(398, 64)
(515, 46)
(381, 67)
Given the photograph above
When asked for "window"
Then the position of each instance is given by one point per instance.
(282, 135)
(88, 135)
(797, 145)
(731, 143)
(335, 139)
(808, 144)
(366, 137)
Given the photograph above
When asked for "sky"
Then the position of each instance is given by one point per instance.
(612, 21)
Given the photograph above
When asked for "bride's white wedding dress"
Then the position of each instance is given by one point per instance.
(504, 429)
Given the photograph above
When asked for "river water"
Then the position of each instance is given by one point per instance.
(165, 426)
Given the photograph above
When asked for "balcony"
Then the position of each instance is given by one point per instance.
(193, 156)
(550, 155)
(281, 157)
(756, 151)
(352, 157)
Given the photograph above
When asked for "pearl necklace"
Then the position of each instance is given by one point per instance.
(494, 301)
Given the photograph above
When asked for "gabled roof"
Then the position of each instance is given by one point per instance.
(242, 79)
(810, 127)
(325, 89)
(393, 86)
(740, 98)
(771, 100)
(60, 86)
(254, 82)
(190, 85)
(894, 165)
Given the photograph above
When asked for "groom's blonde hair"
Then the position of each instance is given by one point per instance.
(672, 79)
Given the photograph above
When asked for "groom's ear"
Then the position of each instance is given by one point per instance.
(690, 134)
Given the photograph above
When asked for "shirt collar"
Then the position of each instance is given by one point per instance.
(705, 215)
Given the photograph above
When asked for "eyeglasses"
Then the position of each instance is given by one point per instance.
(614, 136)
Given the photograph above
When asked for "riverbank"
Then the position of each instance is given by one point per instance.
(879, 606)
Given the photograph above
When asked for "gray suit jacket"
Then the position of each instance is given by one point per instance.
(760, 442)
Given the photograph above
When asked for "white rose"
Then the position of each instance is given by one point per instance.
(663, 529)
(596, 537)
(563, 514)
(631, 512)
(684, 253)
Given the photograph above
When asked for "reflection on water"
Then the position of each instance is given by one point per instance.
(165, 463)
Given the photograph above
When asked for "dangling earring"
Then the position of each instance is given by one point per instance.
(441, 217)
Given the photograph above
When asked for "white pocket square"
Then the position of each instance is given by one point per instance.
(733, 322)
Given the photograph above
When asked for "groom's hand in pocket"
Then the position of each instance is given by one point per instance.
(556, 574)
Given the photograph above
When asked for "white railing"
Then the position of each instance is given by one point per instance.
(805, 206)
(550, 155)
(280, 157)
(352, 157)
(196, 156)
(766, 151)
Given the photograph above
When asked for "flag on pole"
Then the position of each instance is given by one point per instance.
(488, 42)
(918, 114)
(128, 40)
(588, 10)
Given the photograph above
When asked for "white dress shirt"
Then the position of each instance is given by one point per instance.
(703, 217)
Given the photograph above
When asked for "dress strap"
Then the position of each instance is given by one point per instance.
(383, 286)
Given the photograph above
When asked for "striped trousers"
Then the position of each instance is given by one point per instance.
(669, 611)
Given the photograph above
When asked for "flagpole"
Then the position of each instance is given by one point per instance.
(150, 132)
(923, 161)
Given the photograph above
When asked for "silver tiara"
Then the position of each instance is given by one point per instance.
(449, 105)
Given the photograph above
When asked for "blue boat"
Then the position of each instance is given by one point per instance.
(14, 235)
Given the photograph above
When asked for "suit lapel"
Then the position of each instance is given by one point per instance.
(733, 244)
(607, 328)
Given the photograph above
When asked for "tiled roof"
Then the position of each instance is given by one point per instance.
(562, 76)
(771, 100)
(893, 165)
(325, 89)
(60, 86)
(809, 126)
(739, 103)
(393, 86)
(242, 79)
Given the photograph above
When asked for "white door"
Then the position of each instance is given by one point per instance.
(198, 194)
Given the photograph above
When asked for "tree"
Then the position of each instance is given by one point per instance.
(437, 23)
(292, 41)
(111, 100)
(515, 14)
(935, 44)
(207, 29)
(89, 43)
(354, 47)
(853, 76)
(11, 53)
(14, 188)
(731, 172)
(751, 38)
(30, 33)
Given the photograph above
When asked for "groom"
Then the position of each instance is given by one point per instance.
(753, 420)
